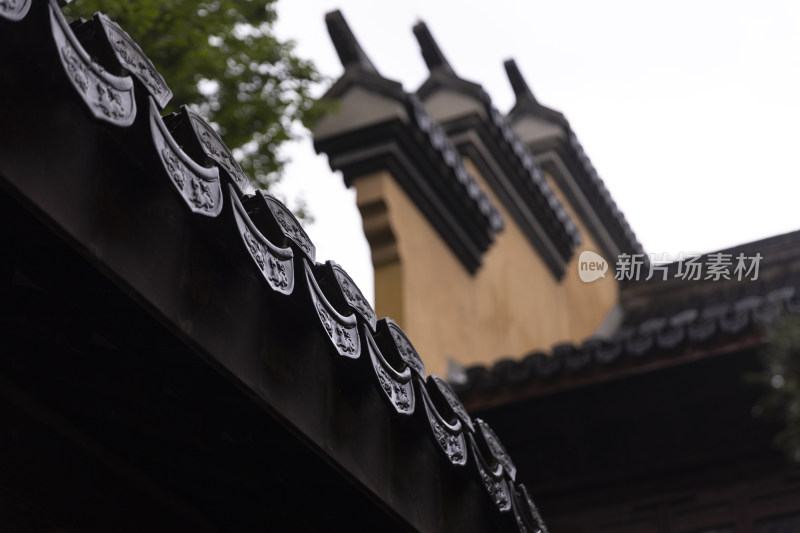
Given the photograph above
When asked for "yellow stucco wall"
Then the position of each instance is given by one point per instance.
(510, 307)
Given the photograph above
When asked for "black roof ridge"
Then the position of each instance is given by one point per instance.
(525, 98)
(349, 50)
(561, 229)
(358, 67)
(440, 70)
(781, 239)
(527, 103)
(459, 195)
(787, 246)
(223, 220)
(431, 53)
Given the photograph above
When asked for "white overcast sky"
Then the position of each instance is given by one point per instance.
(689, 110)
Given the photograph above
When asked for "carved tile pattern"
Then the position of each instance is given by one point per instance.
(385, 381)
(353, 296)
(174, 166)
(109, 101)
(397, 387)
(14, 9)
(407, 351)
(454, 402)
(212, 149)
(257, 250)
(275, 271)
(132, 57)
(498, 450)
(109, 98)
(216, 150)
(398, 393)
(325, 318)
(402, 398)
(76, 69)
(497, 490)
(290, 226)
(342, 337)
(278, 272)
(199, 187)
(201, 195)
(453, 444)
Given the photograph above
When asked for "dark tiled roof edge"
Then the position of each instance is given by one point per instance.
(666, 322)
(682, 337)
(189, 170)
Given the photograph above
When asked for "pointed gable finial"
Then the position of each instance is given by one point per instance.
(431, 52)
(521, 89)
(350, 52)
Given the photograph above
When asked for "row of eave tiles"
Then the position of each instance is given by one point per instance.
(279, 249)
(692, 329)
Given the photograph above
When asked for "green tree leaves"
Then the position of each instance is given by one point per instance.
(222, 58)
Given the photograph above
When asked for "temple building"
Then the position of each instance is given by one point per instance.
(495, 237)
(618, 384)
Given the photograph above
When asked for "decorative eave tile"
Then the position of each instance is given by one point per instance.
(14, 10)
(133, 59)
(199, 187)
(397, 387)
(341, 330)
(109, 98)
(491, 478)
(275, 264)
(449, 437)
